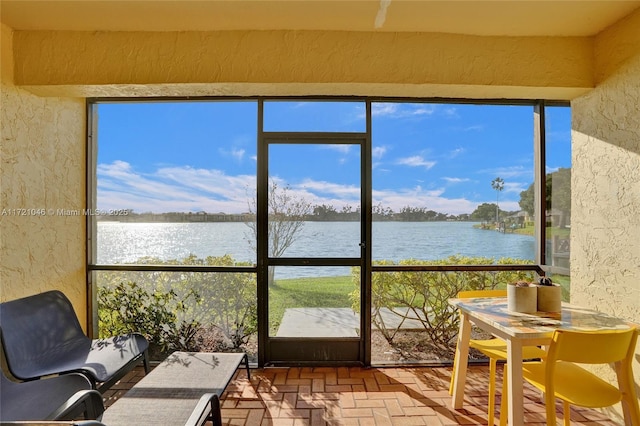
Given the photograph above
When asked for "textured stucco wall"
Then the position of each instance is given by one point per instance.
(605, 221)
(303, 62)
(43, 167)
(616, 45)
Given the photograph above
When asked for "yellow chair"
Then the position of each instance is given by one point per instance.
(558, 376)
(495, 349)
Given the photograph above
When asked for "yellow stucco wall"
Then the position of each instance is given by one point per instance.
(616, 45)
(43, 170)
(605, 213)
(605, 248)
(302, 62)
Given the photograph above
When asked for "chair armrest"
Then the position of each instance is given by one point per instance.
(208, 408)
(88, 402)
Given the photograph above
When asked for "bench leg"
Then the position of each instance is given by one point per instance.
(207, 409)
(145, 361)
(245, 360)
(216, 412)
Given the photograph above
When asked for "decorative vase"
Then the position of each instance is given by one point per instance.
(549, 298)
(522, 298)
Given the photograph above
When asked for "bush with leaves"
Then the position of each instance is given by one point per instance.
(128, 308)
(225, 302)
(423, 295)
(228, 301)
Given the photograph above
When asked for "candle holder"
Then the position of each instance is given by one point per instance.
(549, 296)
(522, 297)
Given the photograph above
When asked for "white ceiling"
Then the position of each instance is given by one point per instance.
(480, 17)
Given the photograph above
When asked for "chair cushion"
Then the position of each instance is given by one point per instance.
(107, 356)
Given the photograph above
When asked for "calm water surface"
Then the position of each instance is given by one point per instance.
(127, 242)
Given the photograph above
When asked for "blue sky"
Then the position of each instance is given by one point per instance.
(201, 156)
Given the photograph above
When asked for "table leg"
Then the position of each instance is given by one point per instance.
(461, 361)
(516, 393)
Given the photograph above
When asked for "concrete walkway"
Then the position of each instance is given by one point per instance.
(319, 322)
(339, 322)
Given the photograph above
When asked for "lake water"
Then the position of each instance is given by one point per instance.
(126, 242)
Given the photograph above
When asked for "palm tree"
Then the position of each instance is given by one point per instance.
(498, 185)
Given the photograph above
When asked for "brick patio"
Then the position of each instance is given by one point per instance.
(362, 397)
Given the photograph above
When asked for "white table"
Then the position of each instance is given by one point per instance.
(518, 330)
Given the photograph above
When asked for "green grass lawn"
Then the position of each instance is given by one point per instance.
(551, 231)
(564, 282)
(330, 292)
(322, 292)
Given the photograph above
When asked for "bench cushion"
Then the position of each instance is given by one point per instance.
(171, 391)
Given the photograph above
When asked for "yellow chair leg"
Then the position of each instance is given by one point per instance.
(630, 406)
(504, 409)
(453, 372)
(550, 406)
(492, 390)
(566, 414)
(630, 403)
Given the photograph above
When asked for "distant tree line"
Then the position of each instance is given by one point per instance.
(318, 213)
(558, 197)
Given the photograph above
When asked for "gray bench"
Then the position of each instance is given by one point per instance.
(182, 390)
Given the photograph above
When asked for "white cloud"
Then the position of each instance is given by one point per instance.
(515, 187)
(455, 180)
(378, 151)
(416, 161)
(380, 109)
(183, 188)
(330, 188)
(341, 148)
(235, 153)
(171, 189)
(456, 152)
(473, 128)
(401, 110)
(238, 154)
(419, 197)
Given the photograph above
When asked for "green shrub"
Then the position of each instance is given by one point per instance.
(228, 301)
(128, 308)
(423, 296)
(174, 309)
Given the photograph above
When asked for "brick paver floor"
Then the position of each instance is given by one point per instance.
(353, 396)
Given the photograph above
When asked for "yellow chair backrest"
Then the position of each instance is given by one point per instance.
(597, 347)
(468, 294)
